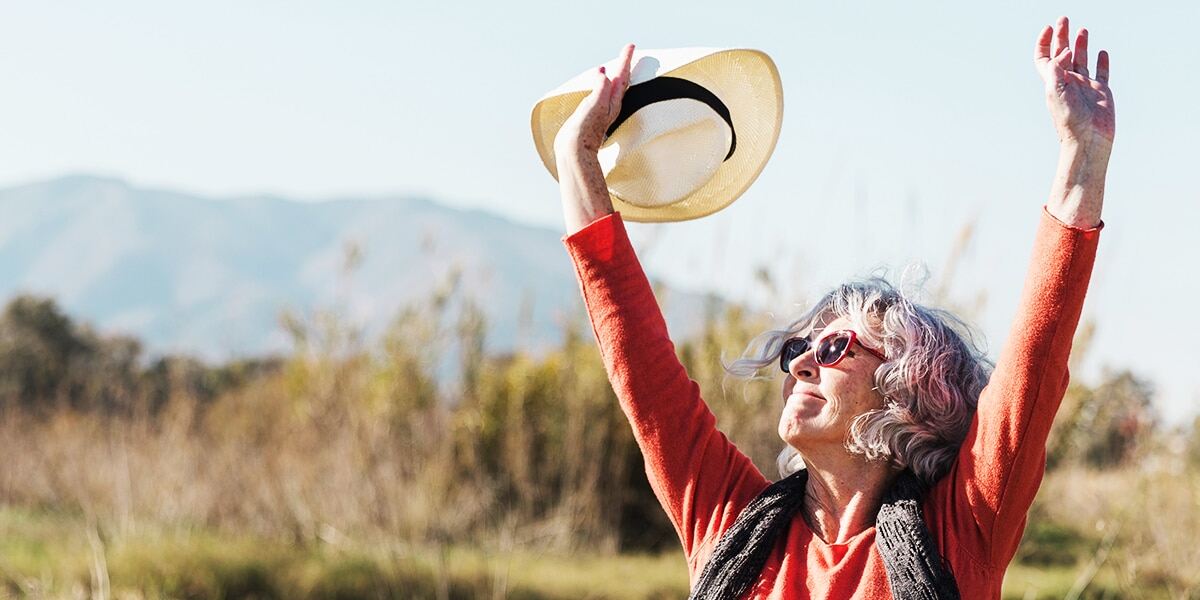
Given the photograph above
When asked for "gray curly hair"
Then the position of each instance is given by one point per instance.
(931, 382)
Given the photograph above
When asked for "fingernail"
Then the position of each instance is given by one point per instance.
(601, 69)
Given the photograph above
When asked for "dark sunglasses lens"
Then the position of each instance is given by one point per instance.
(791, 349)
(831, 348)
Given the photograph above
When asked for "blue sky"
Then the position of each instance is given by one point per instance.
(902, 124)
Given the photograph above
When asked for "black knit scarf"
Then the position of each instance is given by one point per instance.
(915, 569)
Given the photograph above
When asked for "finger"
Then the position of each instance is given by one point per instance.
(1064, 60)
(602, 79)
(1061, 29)
(626, 64)
(1102, 67)
(600, 85)
(1041, 50)
(621, 81)
(1081, 56)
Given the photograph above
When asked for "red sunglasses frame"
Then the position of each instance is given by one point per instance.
(784, 364)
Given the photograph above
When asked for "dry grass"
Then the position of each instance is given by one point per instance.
(350, 443)
(1139, 523)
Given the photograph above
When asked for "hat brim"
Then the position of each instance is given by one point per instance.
(747, 81)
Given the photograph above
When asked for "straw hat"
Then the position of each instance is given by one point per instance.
(696, 127)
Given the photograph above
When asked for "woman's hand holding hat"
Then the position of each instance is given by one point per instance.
(580, 179)
(584, 130)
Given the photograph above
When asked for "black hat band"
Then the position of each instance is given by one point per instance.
(660, 89)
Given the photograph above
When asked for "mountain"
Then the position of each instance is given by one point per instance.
(211, 277)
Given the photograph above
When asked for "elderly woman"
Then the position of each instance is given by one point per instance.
(910, 466)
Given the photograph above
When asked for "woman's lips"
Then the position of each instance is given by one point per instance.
(806, 396)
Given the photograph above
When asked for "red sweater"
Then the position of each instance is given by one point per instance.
(976, 513)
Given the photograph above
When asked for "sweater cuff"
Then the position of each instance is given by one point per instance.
(598, 239)
(1091, 232)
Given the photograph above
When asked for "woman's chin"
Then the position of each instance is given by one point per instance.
(799, 425)
(794, 430)
(800, 414)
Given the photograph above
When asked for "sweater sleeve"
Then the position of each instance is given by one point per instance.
(698, 475)
(1004, 455)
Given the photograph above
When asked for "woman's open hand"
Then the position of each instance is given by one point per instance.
(1081, 106)
(584, 130)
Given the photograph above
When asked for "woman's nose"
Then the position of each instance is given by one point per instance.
(803, 367)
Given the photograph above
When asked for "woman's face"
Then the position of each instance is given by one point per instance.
(820, 403)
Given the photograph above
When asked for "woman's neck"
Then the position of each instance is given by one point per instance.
(843, 494)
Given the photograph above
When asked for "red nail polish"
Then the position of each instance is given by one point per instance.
(601, 69)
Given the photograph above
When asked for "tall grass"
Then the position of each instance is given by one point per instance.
(350, 440)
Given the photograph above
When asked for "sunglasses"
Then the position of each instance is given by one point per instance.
(830, 349)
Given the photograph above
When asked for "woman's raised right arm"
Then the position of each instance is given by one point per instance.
(700, 478)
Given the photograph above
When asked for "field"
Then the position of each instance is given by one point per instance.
(346, 470)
